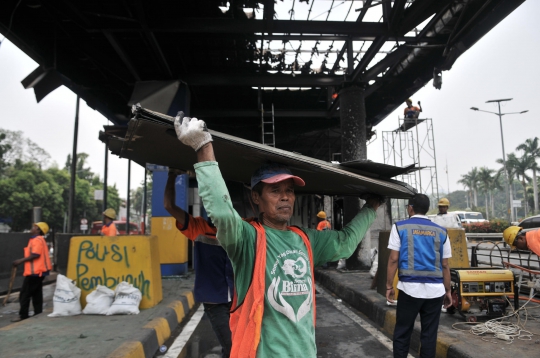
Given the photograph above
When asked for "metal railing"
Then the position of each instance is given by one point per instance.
(481, 236)
(525, 264)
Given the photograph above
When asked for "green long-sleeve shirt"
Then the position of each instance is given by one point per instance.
(287, 327)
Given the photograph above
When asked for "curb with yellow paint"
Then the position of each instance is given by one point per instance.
(158, 330)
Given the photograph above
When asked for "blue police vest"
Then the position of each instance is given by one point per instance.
(421, 252)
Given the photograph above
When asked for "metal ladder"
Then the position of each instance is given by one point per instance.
(268, 135)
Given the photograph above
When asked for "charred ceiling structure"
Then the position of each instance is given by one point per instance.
(237, 59)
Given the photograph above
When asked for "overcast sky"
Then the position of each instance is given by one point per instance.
(503, 64)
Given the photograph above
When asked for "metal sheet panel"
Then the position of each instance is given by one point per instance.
(151, 139)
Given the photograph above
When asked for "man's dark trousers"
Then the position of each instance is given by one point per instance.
(32, 289)
(219, 315)
(408, 308)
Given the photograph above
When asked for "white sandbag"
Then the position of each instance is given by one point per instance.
(126, 300)
(99, 301)
(66, 300)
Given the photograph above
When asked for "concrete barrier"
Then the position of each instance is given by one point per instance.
(108, 260)
(12, 245)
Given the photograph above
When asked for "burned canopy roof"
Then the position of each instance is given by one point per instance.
(239, 56)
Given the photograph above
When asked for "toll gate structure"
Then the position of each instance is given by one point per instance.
(226, 61)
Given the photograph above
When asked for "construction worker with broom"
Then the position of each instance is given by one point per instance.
(37, 265)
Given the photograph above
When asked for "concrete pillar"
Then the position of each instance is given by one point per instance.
(353, 147)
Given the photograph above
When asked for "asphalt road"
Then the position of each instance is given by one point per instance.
(341, 332)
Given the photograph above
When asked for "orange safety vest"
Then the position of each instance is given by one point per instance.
(109, 230)
(41, 264)
(246, 319)
(533, 241)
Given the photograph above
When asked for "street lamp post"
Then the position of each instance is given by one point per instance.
(508, 199)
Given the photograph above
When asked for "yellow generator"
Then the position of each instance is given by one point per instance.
(480, 294)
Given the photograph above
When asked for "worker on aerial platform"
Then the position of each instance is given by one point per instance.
(412, 111)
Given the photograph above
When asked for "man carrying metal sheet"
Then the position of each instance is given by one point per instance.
(274, 306)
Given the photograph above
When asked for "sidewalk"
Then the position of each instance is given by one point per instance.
(354, 289)
(96, 336)
(141, 335)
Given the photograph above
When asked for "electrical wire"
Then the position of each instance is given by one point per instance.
(501, 331)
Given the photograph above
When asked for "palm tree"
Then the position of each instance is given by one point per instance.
(510, 176)
(470, 180)
(495, 185)
(521, 166)
(486, 182)
(530, 147)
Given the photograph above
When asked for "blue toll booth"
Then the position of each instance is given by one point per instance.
(173, 246)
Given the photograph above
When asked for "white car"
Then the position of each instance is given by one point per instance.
(468, 217)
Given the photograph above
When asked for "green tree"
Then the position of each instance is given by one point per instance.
(521, 166)
(137, 199)
(485, 179)
(470, 181)
(113, 199)
(25, 186)
(510, 174)
(4, 148)
(530, 148)
(24, 149)
(82, 172)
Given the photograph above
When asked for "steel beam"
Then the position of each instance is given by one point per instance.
(116, 46)
(156, 49)
(227, 113)
(396, 14)
(386, 62)
(261, 80)
(365, 8)
(241, 26)
(368, 56)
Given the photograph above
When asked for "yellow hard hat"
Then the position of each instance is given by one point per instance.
(509, 235)
(110, 213)
(444, 202)
(43, 227)
(408, 100)
(321, 215)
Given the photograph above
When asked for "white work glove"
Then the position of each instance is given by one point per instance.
(191, 131)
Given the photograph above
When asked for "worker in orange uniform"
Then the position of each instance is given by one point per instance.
(37, 265)
(108, 228)
(323, 223)
(516, 238)
(412, 111)
(214, 277)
